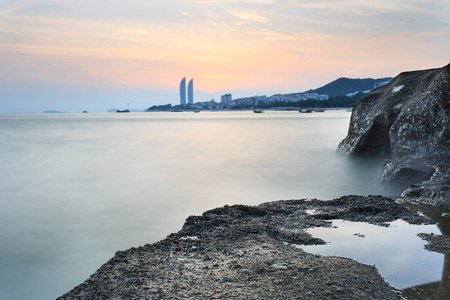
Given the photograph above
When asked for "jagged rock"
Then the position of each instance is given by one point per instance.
(401, 173)
(406, 120)
(435, 191)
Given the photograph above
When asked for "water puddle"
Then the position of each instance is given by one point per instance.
(396, 251)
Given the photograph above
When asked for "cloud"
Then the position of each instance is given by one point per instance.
(195, 2)
(249, 16)
(273, 35)
(133, 31)
(25, 68)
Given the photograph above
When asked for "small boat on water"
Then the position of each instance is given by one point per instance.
(196, 111)
(307, 111)
(85, 111)
(125, 110)
(257, 111)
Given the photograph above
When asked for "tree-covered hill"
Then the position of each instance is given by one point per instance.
(344, 86)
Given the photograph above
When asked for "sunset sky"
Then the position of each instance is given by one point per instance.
(95, 54)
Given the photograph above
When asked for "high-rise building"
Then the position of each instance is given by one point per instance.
(224, 99)
(247, 101)
(191, 92)
(183, 91)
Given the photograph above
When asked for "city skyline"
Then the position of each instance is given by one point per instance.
(91, 55)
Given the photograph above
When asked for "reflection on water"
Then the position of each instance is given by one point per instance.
(396, 251)
(437, 290)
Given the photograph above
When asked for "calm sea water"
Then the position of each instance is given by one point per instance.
(75, 188)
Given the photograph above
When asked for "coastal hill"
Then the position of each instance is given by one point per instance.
(344, 86)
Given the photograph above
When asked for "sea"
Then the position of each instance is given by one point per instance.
(76, 188)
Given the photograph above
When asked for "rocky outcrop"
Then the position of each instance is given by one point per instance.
(245, 252)
(407, 121)
(435, 191)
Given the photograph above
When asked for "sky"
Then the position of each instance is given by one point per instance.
(96, 54)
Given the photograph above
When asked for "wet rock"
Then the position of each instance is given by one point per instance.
(435, 191)
(436, 242)
(406, 120)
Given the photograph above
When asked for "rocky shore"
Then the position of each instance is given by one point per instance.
(249, 252)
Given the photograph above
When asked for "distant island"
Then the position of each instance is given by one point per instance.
(54, 112)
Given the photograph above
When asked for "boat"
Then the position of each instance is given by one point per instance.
(257, 111)
(196, 111)
(305, 111)
(85, 111)
(125, 110)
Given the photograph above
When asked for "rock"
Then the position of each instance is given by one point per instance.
(401, 173)
(406, 120)
(436, 242)
(435, 191)
(245, 252)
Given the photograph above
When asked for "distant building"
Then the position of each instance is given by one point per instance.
(294, 97)
(323, 97)
(224, 99)
(183, 91)
(281, 98)
(191, 92)
(377, 84)
(252, 101)
(262, 98)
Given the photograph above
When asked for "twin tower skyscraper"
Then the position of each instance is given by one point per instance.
(190, 91)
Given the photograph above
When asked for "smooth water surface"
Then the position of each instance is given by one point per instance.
(396, 251)
(75, 188)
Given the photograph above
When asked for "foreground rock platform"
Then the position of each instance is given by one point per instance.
(248, 252)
